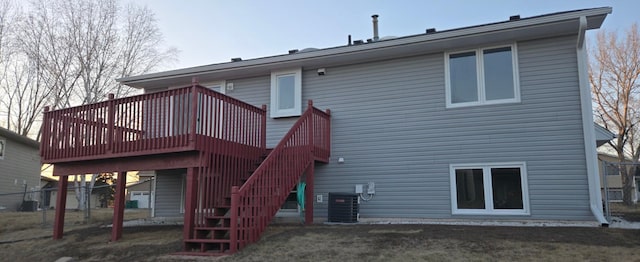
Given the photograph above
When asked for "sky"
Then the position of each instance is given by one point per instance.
(214, 31)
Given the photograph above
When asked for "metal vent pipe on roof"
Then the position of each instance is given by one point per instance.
(375, 28)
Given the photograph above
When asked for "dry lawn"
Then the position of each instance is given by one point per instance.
(629, 213)
(284, 242)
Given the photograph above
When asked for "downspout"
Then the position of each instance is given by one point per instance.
(595, 198)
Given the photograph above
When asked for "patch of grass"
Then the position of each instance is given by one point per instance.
(629, 213)
(22, 225)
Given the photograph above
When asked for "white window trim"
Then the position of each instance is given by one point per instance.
(480, 78)
(222, 84)
(489, 210)
(297, 106)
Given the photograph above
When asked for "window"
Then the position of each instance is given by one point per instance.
(286, 93)
(211, 112)
(614, 195)
(291, 203)
(489, 189)
(3, 144)
(482, 76)
(612, 169)
(219, 87)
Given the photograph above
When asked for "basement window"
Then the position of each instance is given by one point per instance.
(489, 189)
(286, 93)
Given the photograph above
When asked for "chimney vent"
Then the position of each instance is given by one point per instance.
(514, 18)
(375, 28)
(431, 30)
(236, 59)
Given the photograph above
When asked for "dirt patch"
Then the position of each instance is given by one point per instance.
(92, 244)
(338, 243)
(439, 242)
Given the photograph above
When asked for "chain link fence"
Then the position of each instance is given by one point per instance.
(44, 201)
(612, 185)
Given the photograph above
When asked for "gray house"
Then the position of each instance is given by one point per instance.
(491, 121)
(19, 170)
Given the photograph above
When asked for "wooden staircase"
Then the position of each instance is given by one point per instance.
(227, 222)
(213, 236)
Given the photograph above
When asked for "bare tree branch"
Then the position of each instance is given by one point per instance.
(614, 74)
(70, 52)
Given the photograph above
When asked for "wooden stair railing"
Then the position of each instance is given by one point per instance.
(241, 217)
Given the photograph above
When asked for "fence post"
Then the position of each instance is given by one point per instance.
(605, 186)
(44, 209)
(194, 113)
(310, 126)
(110, 123)
(87, 213)
(263, 128)
(45, 133)
(327, 134)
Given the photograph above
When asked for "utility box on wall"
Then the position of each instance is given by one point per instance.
(343, 207)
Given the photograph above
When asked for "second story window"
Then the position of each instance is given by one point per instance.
(286, 93)
(482, 76)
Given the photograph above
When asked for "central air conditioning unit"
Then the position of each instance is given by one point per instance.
(343, 207)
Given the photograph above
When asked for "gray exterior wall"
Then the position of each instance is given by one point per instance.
(169, 186)
(390, 124)
(20, 166)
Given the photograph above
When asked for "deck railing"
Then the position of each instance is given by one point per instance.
(254, 204)
(161, 122)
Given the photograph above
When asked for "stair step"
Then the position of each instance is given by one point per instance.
(196, 240)
(206, 246)
(205, 253)
(212, 228)
(217, 217)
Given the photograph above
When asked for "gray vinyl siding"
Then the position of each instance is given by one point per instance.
(20, 166)
(256, 91)
(169, 186)
(390, 123)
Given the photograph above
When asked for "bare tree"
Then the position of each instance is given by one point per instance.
(70, 52)
(614, 74)
(8, 17)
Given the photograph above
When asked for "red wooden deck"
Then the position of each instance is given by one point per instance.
(221, 142)
(156, 123)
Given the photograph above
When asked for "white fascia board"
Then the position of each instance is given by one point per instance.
(273, 61)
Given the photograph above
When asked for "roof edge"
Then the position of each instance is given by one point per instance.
(19, 138)
(338, 50)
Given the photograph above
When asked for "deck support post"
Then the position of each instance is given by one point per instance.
(190, 202)
(118, 209)
(61, 205)
(308, 195)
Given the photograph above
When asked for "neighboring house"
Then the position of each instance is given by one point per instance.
(19, 170)
(142, 191)
(484, 122)
(610, 168)
(71, 200)
(47, 185)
